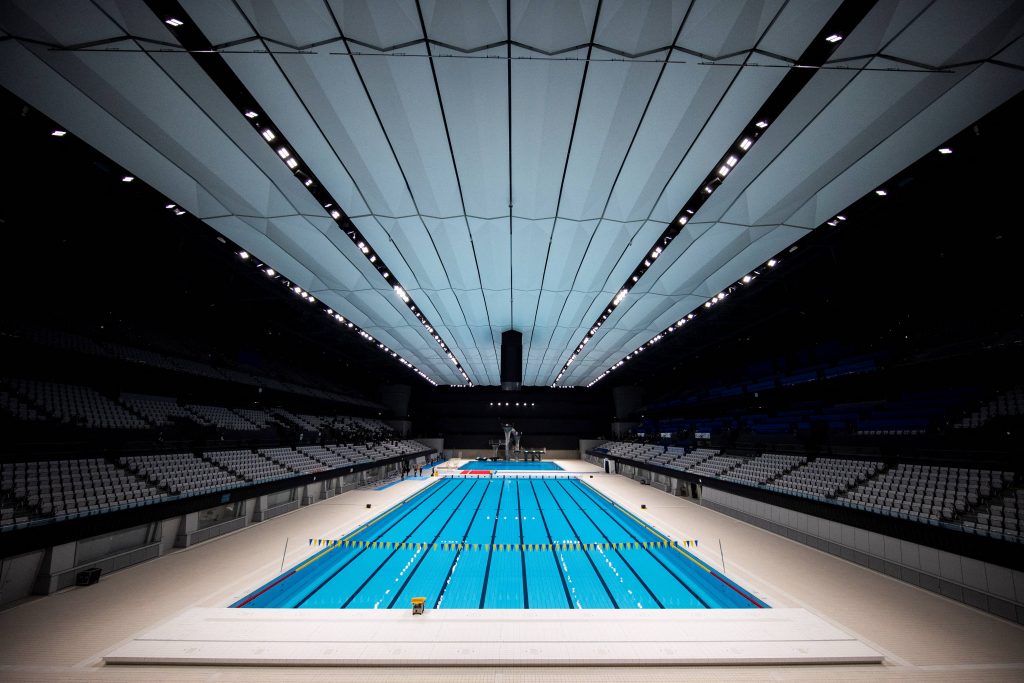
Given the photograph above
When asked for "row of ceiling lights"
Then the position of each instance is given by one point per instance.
(721, 296)
(295, 289)
(712, 181)
(524, 404)
(273, 137)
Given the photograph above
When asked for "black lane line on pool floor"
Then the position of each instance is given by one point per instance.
(618, 554)
(572, 528)
(429, 546)
(551, 541)
(657, 559)
(350, 560)
(522, 551)
(494, 528)
(757, 602)
(394, 551)
(458, 553)
(362, 527)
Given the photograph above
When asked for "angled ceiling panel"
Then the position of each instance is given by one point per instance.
(544, 95)
(475, 97)
(614, 99)
(514, 193)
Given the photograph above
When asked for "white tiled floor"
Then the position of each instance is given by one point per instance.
(923, 636)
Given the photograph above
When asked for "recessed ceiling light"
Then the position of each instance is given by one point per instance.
(881, 193)
(291, 162)
(761, 124)
(251, 114)
(834, 38)
(283, 152)
(746, 143)
(945, 150)
(243, 255)
(59, 133)
(127, 179)
(308, 182)
(268, 135)
(174, 22)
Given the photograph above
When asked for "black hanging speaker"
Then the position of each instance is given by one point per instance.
(511, 360)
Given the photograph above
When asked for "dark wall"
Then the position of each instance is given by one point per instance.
(547, 418)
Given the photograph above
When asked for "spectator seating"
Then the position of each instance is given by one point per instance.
(825, 477)
(76, 405)
(248, 465)
(222, 418)
(181, 473)
(928, 491)
(18, 409)
(161, 411)
(715, 466)
(764, 468)
(73, 488)
(296, 461)
(1009, 403)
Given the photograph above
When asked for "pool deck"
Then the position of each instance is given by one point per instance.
(922, 636)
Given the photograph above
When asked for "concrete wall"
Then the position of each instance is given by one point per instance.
(473, 453)
(988, 587)
(44, 571)
(436, 444)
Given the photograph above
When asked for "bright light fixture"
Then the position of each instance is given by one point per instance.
(59, 133)
(731, 161)
(127, 179)
(243, 255)
(291, 162)
(268, 135)
(270, 272)
(746, 143)
(771, 263)
(308, 182)
(761, 124)
(283, 152)
(881, 193)
(945, 150)
(174, 22)
(251, 114)
(722, 171)
(834, 38)
(747, 279)
(335, 215)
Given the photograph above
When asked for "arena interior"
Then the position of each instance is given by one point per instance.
(511, 340)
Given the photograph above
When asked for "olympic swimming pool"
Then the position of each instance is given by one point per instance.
(529, 543)
(505, 465)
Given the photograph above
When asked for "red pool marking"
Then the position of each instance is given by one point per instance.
(256, 595)
(747, 596)
(476, 471)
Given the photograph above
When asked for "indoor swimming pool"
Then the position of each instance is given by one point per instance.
(512, 543)
(517, 465)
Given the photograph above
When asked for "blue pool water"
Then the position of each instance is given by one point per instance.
(513, 542)
(497, 465)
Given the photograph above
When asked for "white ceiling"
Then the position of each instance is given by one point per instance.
(592, 168)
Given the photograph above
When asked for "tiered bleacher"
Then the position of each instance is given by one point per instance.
(765, 468)
(161, 411)
(715, 465)
(181, 473)
(826, 477)
(1007, 404)
(248, 465)
(975, 500)
(223, 418)
(929, 491)
(72, 404)
(73, 488)
(295, 461)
